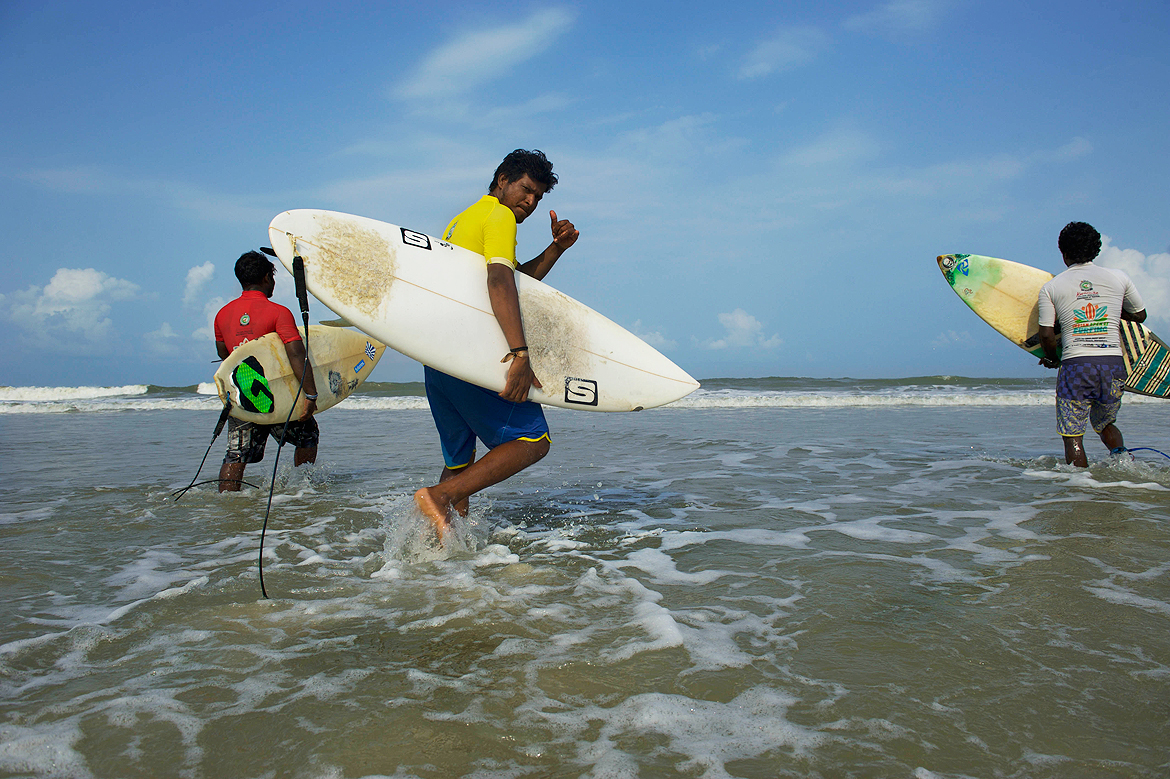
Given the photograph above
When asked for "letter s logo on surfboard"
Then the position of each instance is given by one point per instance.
(411, 238)
(581, 392)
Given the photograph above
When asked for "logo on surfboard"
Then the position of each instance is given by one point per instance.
(411, 238)
(255, 394)
(581, 392)
(952, 263)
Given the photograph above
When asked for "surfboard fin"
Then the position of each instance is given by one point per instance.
(340, 322)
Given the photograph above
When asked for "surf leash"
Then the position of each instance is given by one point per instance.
(223, 416)
(1150, 449)
(303, 299)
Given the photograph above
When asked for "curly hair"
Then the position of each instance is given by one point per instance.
(252, 268)
(521, 162)
(1079, 242)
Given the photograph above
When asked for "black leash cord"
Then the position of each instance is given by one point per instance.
(303, 298)
(227, 409)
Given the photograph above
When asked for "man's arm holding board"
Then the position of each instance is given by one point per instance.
(1050, 342)
(506, 306)
(1049, 338)
(1131, 299)
(505, 302)
(298, 359)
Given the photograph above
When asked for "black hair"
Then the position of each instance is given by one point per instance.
(1079, 242)
(252, 268)
(521, 162)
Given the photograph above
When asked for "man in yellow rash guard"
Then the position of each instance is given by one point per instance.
(512, 427)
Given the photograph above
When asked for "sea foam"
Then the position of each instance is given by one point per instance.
(42, 394)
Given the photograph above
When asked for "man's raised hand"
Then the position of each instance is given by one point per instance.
(563, 233)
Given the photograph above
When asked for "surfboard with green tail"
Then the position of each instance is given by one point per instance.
(1005, 294)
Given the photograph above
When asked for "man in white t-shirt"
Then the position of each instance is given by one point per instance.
(1089, 302)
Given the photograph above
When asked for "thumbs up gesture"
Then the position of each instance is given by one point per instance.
(563, 233)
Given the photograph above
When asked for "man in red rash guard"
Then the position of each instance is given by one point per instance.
(247, 318)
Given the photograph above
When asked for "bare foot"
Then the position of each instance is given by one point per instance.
(432, 511)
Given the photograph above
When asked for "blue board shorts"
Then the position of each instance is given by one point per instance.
(464, 412)
(246, 440)
(1088, 389)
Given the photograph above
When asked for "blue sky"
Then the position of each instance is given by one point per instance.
(761, 188)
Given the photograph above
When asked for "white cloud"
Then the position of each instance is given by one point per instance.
(249, 209)
(836, 146)
(844, 186)
(85, 178)
(76, 301)
(196, 278)
(1073, 150)
(206, 334)
(210, 206)
(899, 18)
(788, 48)
(708, 51)
(1150, 274)
(951, 338)
(161, 341)
(479, 56)
(445, 185)
(679, 138)
(510, 116)
(742, 331)
(654, 338)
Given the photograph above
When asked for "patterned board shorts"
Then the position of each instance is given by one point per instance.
(1088, 392)
(246, 440)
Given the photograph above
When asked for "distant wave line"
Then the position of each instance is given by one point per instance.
(413, 403)
(69, 393)
(387, 397)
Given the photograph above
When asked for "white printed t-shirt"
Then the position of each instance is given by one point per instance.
(1087, 300)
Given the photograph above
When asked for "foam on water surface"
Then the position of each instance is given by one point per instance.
(751, 593)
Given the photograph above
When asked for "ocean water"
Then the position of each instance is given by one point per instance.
(771, 578)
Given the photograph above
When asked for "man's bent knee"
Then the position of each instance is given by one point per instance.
(537, 449)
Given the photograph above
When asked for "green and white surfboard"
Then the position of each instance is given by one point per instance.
(1005, 294)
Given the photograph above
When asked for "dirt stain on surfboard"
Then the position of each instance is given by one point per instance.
(356, 265)
(555, 335)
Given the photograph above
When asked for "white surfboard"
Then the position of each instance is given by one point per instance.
(428, 299)
(259, 381)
